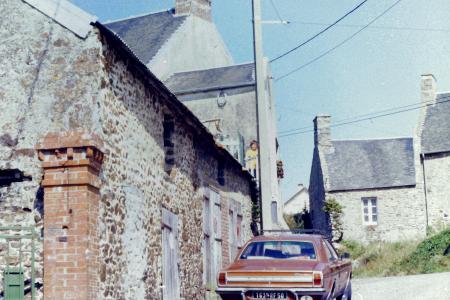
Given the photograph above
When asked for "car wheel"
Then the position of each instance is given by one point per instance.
(347, 295)
(331, 295)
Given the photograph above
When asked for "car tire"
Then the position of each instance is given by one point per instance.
(347, 295)
(331, 294)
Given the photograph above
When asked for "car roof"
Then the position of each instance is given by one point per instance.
(290, 237)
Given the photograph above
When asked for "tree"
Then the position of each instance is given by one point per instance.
(334, 210)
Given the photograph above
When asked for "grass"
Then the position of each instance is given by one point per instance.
(400, 258)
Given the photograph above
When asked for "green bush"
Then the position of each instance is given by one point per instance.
(429, 256)
(354, 248)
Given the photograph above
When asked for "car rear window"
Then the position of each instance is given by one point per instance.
(279, 250)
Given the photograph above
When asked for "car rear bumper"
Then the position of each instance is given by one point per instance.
(316, 293)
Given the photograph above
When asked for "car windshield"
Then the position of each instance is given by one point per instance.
(279, 250)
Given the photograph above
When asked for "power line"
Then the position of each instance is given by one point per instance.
(376, 27)
(277, 12)
(319, 33)
(340, 44)
(365, 119)
(363, 115)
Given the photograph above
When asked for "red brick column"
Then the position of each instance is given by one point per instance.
(71, 162)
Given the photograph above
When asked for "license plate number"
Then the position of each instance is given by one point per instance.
(269, 295)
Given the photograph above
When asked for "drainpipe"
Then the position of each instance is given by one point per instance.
(422, 160)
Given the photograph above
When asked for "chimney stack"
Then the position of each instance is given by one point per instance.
(322, 135)
(428, 88)
(199, 8)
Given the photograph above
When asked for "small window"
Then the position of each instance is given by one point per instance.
(221, 172)
(370, 211)
(331, 253)
(169, 154)
(297, 250)
(274, 211)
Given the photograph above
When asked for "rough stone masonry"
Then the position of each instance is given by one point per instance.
(55, 82)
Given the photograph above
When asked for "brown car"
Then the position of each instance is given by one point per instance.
(287, 266)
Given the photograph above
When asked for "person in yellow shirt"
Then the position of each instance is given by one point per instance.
(251, 158)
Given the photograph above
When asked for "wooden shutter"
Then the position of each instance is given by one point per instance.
(208, 276)
(217, 233)
(171, 275)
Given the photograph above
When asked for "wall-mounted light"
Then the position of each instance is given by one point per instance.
(222, 99)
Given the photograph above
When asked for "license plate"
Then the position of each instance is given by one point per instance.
(269, 295)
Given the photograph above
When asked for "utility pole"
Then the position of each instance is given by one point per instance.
(261, 121)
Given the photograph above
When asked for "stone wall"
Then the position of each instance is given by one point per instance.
(131, 118)
(437, 177)
(401, 215)
(58, 82)
(238, 115)
(202, 45)
(48, 82)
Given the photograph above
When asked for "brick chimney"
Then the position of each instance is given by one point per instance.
(322, 135)
(199, 8)
(428, 88)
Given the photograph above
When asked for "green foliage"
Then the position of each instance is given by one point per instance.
(256, 211)
(400, 258)
(294, 221)
(430, 256)
(354, 248)
(334, 210)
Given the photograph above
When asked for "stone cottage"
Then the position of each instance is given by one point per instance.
(183, 48)
(390, 189)
(298, 202)
(129, 192)
(433, 138)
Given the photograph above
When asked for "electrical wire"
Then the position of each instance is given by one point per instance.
(363, 115)
(376, 27)
(338, 45)
(319, 33)
(365, 119)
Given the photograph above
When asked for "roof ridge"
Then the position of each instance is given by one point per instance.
(107, 22)
(373, 139)
(215, 68)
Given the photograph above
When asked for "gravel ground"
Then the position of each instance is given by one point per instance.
(417, 287)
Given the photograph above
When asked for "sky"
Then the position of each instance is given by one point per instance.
(376, 70)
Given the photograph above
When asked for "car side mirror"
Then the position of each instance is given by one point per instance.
(345, 255)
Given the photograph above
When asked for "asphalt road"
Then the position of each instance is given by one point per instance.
(417, 287)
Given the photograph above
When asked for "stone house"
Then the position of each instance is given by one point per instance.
(183, 48)
(391, 189)
(433, 138)
(133, 197)
(298, 202)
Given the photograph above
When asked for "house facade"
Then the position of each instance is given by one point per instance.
(298, 202)
(184, 49)
(384, 185)
(130, 195)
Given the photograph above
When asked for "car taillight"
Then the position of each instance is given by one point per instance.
(317, 279)
(222, 278)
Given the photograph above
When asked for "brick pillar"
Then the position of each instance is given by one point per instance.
(71, 163)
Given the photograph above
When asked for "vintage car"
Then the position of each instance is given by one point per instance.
(287, 266)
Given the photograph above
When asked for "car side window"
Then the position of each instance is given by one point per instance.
(331, 253)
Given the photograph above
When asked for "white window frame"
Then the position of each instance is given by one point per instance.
(372, 210)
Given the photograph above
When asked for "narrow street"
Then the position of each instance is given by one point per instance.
(424, 287)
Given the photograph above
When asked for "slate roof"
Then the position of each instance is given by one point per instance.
(140, 69)
(370, 164)
(212, 79)
(436, 130)
(145, 35)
